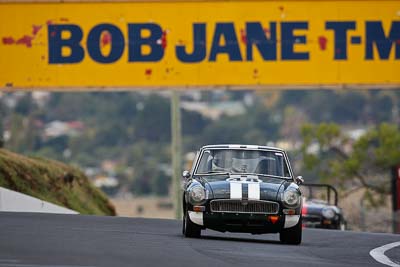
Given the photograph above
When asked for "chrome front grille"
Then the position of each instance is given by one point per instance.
(239, 206)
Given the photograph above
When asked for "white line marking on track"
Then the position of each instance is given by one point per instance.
(379, 254)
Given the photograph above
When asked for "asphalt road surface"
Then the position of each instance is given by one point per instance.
(30, 240)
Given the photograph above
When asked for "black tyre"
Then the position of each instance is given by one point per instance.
(190, 229)
(292, 235)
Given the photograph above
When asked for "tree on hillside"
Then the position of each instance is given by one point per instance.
(343, 107)
(353, 164)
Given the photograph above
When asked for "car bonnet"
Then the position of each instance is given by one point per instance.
(265, 189)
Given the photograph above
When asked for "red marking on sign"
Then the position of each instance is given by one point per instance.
(164, 39)
(148, 72)
(338, 51)
(243, 36)
(25, 40)
(8, 40)
(281, 8)
(106, 38)
(64, 19)
(49, 22)
(53, 33)
(267, 32)
(398, 42)
(36, 29)
(255, 74)
(322, 41)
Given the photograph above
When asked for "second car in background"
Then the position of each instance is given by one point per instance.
(320, 207)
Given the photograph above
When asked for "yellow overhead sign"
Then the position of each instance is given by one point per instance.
(200, 43)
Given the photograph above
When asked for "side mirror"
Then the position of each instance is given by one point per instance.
(299, 180)
(186, 174)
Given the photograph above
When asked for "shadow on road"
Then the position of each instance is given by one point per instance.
(240, 239)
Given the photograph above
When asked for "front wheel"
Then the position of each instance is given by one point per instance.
(189, 229)
(292, 236)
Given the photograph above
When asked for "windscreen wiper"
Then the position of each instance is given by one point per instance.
(214, 173)
(267, 175)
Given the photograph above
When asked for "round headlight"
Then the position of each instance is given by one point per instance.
(197, 194)
(328, 213)
(291, 198)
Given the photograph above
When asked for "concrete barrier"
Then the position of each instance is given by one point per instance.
(18, 202)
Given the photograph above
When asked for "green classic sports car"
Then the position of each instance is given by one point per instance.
(320, 207)
(242, 188)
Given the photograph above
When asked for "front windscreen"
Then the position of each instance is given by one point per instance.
(234, 161)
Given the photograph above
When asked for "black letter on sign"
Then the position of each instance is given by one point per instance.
(199, 45)
(340, 28)
(289, 40)
(231, 46)
(376, 35)
(136, 41)
(115, 38)
(56, 43)
(256, 36)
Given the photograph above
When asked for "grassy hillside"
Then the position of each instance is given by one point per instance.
(52, 181)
